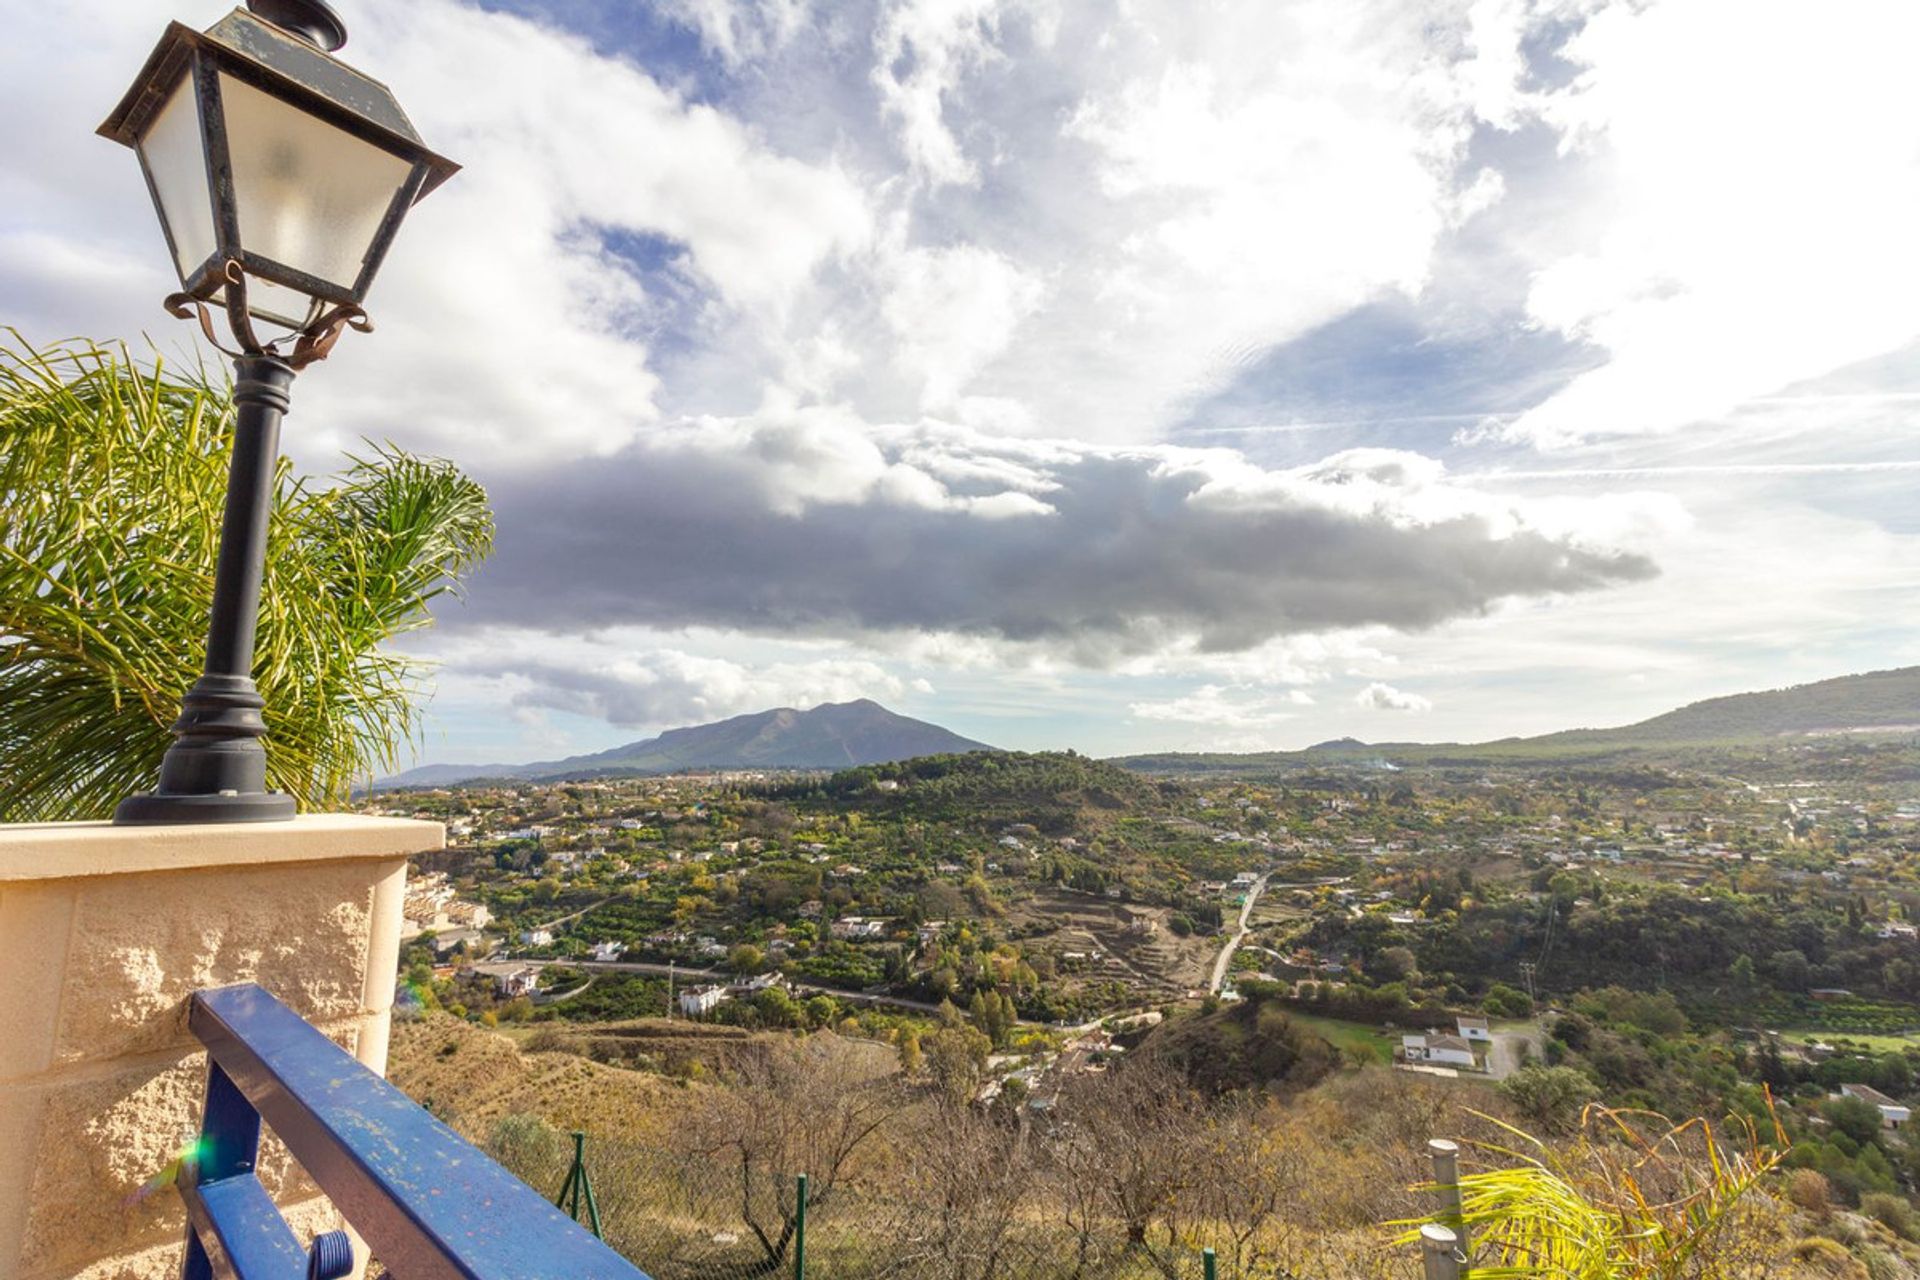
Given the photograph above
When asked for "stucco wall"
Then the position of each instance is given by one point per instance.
(104, 933)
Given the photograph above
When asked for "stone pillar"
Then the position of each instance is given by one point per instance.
(104, 933)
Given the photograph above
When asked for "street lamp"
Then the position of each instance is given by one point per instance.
(280, 175)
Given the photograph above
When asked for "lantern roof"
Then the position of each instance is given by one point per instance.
(288, 66)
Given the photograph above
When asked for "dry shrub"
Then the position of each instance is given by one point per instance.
(1819, 1256)
(1892, 1212)
(1810, 1191)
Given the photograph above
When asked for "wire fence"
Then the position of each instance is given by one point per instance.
(682, 1216)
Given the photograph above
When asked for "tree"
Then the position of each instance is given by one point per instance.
(805, 1106)
(745, 958)
(1551, 1097)
(1790, 969)
(1740, 972)
(956, 1058)
(1857, 1119)
(1128, 1153)
(112, 482)
(1503, 1001)
(1395, 964)
(968, 1202)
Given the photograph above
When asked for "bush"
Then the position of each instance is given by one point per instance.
(1503, 1001)
(1809, 1190)
(1824, 1257)
(1551, 1097)
(1892, 1212)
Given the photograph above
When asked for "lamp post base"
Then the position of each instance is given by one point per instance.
(159, 808)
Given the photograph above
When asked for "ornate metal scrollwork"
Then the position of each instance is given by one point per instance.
(310, 343)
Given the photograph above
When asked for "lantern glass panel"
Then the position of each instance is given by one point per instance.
(274, 302)
(307, 194)
(176, 159)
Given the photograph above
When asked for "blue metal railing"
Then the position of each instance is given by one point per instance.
(428, 1203)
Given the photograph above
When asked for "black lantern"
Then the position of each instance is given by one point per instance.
(275, 167)
(281, 176)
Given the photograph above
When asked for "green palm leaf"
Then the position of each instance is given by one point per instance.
(112, 484)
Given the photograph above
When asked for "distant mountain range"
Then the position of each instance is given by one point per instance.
(834, 735)
(1877, 702)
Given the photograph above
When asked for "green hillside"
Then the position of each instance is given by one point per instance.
(1878, 699)
(1055, 792)
(1827, 716)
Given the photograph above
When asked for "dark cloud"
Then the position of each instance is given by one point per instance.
(1133, 556)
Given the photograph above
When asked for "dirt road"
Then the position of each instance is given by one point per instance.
(1239, 934)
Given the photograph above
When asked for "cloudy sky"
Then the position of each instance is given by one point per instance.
(1144, 374)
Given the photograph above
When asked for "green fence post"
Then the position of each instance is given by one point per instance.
(800, 1228)
(1207, 1263)
(593, 1205)
(578, 1182)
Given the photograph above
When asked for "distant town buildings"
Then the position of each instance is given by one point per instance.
(430, 906)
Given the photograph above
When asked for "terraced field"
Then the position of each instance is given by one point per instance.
(1131, 944)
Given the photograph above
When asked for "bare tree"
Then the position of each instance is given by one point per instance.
(1245, 1183)
(968, 1199)
(807, 1106)
(1125, 1150)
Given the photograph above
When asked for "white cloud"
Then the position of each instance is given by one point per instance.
(953, 310)
(604, 679)
(922, 50)
(738, 31)
(1757, 182)
(1384, 697)
(507, 328)
(1230, 709)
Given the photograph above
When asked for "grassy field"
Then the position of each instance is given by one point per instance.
(1879, 1044)
(1350, 1035)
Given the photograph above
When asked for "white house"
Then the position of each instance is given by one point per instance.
(1893, 1115)
(759, 982)
(696, 1001)
(517, 982)
(537, 937)
(1474, 1030)
(1445, 1050)
(607, 952)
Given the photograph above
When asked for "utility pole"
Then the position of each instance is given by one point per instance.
(669, 991)
(1526, 972)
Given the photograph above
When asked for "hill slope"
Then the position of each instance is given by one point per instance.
(834, 735)
(1875, 701)
(1878, 699)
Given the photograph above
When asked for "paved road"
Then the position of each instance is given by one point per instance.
(1240, 933)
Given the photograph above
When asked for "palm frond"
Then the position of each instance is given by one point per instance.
(1633, 1197)
(112, 485)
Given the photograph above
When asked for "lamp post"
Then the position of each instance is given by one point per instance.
(280, 175)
